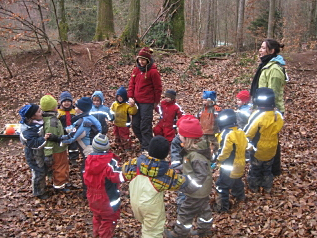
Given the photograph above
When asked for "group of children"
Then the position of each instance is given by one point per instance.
(213, 136)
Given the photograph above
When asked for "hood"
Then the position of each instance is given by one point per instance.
(152, 167)
(97, 163)
(98, 94)
(279, 59)
(203, 148)
(123, 93)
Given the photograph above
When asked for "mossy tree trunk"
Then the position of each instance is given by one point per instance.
(129, 36)
(63, 26)
(174, 14)
(105, 25)
(178, 24)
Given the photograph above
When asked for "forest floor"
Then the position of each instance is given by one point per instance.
(290, 209)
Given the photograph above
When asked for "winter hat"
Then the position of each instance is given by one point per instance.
(145, 53)
(123, 93)
(48, 103)
(28, 111)
(210, 94)
(84, 104)
(244, 96)
(184, 117)
(100, 143)
(170, 94)
(226, 118)
(65, 96)
(159, 147)
(190, 127)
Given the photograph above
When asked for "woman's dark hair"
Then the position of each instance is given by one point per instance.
(273, 44)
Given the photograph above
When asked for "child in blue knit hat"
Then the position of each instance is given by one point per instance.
(122, 110)
(33, 138)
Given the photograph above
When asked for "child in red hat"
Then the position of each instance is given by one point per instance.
(244, 108)
(197, 161)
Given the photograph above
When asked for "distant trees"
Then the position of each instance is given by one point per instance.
(191, 26)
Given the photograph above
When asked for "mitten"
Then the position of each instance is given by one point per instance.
(54, 138)
(214, 165)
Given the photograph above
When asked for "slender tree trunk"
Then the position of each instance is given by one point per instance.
(5, 64)
(61, 42)
(129, 36)
(313, 22)
(49, 47)
(270, 31)
(240, 26)
(63, 26)
(105, 22)
(209, 28)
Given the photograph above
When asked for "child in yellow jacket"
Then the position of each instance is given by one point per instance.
(122, 111)
(262, 130)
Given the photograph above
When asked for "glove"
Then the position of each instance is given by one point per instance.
(54, 138)
(48, 161)
(214, 165)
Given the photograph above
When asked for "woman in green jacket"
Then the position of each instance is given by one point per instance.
(271, 74)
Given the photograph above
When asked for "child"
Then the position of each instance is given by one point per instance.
(168, 110)
(122, 111)
(101, 112)
(32, 137)
(145, 88)
(262, 131)
(66, 112)
(102, 177)
(244, 108)
(233, 143)
(85, 127)
(196, 166)
(150, 175)
(208, 116)
(55, 155)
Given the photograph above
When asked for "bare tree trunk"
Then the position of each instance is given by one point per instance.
(313, 22)
(209, 28)
(5, 64)
(270, 31)
(38, 39)
(49, 47)
(63, 26)
(240, 26)
(105, 21)
(178, 23)
(129, 36)
(61, 43)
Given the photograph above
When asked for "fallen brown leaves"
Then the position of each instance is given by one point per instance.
(289, 211)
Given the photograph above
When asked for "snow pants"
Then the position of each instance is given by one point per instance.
(191, 208)
(223, 186)
(167, 131)
(60, 169)
(260, 174)
(38, 176)
(122, 136)
(73, 153)
(142, 124)
(148, 207)
(104, 225)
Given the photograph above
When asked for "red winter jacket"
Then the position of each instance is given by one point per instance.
(102, 177)
(145, 90)
(169, 111)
